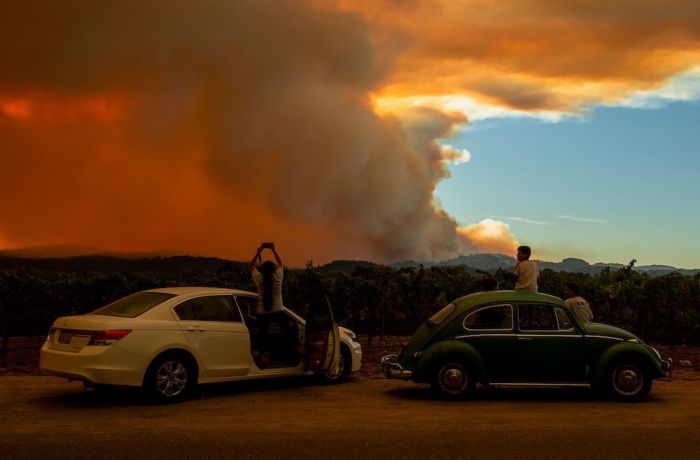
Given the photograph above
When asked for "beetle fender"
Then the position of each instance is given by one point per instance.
(431, 356)
(624, 350)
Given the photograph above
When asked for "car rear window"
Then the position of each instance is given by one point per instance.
(133, 305)
(495, 317)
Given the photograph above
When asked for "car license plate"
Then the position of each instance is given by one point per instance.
(65, 337)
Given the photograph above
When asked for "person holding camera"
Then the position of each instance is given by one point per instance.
(268, 279)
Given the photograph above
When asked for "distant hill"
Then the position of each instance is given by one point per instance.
(492, 262)
(173, 265)
(58, 251)
(87, 258)
(486, 262)
(345, 265)
(63, 251)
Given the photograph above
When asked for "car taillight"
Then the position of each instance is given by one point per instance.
(108, 337)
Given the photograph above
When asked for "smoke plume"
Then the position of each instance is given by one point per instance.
(211, 126)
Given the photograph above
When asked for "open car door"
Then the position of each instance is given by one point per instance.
(322, 339)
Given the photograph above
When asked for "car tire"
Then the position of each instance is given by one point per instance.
(170, 378)
(628, 380)
(452, 379)
(345, 367)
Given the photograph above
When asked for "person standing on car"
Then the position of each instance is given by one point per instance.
(578, 304)
(526, 270)
(268, 279)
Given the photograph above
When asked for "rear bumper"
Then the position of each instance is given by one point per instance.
(393, 370)
(105, 365)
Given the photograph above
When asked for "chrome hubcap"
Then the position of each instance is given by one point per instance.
(628, 380)
(453, 378)
(171, 378)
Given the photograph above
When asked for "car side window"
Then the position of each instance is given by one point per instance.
(537, 317)
(496, 317)
(209, 308)
(564, 320)
(184, 311)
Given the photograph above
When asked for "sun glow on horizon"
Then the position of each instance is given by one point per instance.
(103, 108)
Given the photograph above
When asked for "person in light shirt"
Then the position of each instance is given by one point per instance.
(578, 304)
(268, 279)
(526, 270)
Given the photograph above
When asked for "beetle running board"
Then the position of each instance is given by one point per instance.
(544, 385)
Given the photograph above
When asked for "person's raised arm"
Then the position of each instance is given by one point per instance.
(255, 258)
(277, 256)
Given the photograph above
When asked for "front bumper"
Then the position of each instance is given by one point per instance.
(393, 370)
(356, 353)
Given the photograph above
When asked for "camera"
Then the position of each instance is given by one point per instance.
(268, 245)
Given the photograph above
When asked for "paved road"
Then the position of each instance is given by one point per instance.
(46, 417)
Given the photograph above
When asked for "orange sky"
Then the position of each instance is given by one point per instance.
(208, 128)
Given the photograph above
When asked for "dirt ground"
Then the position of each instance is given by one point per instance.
(366, 417)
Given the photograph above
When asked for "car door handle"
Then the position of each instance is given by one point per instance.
(525, 339)
(195, 329)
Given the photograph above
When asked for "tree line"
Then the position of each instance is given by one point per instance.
(371, 299)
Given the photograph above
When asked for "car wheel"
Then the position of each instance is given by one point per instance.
(452, 379)
(629, 381)
(344, 367)
(170, 378)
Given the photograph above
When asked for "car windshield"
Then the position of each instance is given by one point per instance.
(133, 305)
(440, 316)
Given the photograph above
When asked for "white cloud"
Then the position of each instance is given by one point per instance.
(521, 219)
(474, 110)
(685, 87)
(582, 219)
(455, 155)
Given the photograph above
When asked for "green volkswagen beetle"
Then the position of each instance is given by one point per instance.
(513, 338)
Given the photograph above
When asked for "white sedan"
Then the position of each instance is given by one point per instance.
(168, 340)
